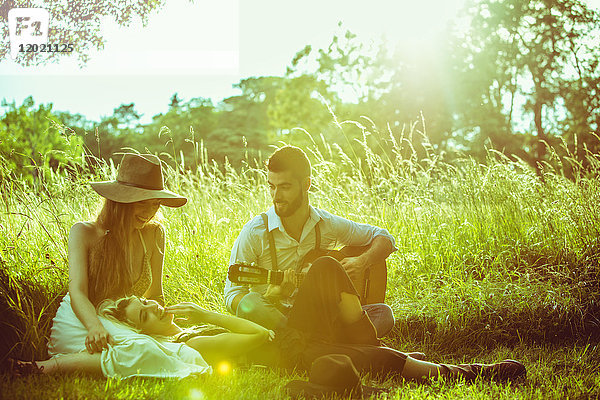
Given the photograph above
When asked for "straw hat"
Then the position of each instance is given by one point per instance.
(329, 375)
(139, 178)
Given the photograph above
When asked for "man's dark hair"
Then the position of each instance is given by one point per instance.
(290, 158)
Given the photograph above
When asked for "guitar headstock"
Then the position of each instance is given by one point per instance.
(247, 274)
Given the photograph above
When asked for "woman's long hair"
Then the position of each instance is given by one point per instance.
(109, 262)
(114, 310)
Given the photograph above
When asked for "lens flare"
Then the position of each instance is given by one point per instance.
(196, 394)
(246, 307)
(224, 368)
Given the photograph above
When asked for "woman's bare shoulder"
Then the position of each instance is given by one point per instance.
(153, 232)
(153, 228)
(86, 231)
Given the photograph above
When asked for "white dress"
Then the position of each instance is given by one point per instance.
(133, 354)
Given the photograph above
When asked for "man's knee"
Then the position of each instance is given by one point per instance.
(249, 304)
(387, 319)
(382, 317)
(325, 265)
(256, 308)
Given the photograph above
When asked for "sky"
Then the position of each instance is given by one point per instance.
(203, 48)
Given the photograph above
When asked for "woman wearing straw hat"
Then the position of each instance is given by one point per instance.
(120, 253)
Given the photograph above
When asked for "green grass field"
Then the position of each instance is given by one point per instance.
(494, 261)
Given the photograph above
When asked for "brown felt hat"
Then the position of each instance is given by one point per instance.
(333, 374)
(139, 178)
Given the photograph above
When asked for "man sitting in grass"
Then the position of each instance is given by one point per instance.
(295, 228)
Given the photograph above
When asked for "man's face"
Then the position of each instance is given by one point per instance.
(287, 192)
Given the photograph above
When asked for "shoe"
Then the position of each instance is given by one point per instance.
(501, 371)
(417, 355)
(19, 368)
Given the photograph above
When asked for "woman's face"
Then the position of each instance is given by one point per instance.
(143, 211)
(149, 316)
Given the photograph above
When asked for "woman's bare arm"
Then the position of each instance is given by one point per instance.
(79, 239)
(225, 346)
(244, 336)
(155, 291)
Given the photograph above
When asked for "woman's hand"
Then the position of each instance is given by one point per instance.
(193, 312)
(98, 339)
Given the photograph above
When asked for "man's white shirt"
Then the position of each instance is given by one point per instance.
(252, 244)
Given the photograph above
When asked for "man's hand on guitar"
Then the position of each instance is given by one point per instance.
(354, 266)
(287, 287)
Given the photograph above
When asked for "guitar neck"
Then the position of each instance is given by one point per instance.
(253, 275)
(276, 277)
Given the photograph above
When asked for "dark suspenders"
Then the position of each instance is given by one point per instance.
(272, 249)
(274, 266)
(317, 236)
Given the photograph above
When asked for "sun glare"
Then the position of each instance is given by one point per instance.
(416, 29)
(413, 20)
(224, 368)
(196, 394)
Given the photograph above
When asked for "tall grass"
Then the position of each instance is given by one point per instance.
(487, 253)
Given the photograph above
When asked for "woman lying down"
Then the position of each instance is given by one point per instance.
(147, 342)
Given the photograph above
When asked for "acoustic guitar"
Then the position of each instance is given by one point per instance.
(370, 287)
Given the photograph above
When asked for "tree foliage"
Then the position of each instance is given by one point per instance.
(32, 141)
(76, 22)
(516, 76)
(534, 72)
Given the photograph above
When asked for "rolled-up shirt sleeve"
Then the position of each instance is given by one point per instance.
(246, 249)
(350, 233)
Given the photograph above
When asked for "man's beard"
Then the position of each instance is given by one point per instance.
(291, 207)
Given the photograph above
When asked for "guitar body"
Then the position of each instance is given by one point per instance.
(371, 286)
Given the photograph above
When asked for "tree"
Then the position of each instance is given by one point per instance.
(354, 71)
(115, 132)
(581, 96)
(484, 83)
(243, 122)
(582, 101)
(392, 86)
(526, 53)
(32, 140)
(175, 101)
(76, 22)
(181, 129)
(418, 90)
(297, 104)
